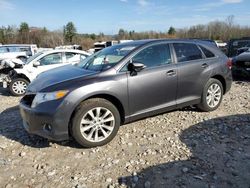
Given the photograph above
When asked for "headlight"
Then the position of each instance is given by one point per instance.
(43, 97)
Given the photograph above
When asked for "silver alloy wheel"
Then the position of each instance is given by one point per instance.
(97, 124)
(214, 94)
(19, 87)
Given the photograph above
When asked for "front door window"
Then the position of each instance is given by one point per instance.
(51, 59)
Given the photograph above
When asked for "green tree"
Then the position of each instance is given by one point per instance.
(122, 34)
(24, 27)
(93, 36)
(171, 31)
(24, 32)
(69, 31)
(2, 35)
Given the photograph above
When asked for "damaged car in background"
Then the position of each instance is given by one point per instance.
(16, 74)
(6, 68)
(17, 51)
(241, 66)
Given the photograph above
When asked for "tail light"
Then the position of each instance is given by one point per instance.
(229, 63)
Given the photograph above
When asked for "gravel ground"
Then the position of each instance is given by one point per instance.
(184, 148)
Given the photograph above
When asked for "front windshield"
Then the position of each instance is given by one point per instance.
(33, 57)
(106, 58)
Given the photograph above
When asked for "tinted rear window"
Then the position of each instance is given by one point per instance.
(207, 52)
(187, 52)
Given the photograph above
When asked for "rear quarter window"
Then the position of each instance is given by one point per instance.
(187, 52)
(207, 52)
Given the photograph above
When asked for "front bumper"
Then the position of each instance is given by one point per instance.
(4, 80)
(44, 122)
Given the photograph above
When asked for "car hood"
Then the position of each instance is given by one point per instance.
(12, 63)
(57, 76)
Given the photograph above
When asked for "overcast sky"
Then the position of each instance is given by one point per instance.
(95, 16)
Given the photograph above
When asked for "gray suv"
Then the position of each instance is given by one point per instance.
(123, 83)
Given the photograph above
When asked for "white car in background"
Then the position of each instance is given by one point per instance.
(18, 79)
(19, 51)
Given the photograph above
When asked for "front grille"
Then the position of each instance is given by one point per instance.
(28, 99)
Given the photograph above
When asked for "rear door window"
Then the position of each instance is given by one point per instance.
(72, 57)
(207, 52)
(187, 52)
(82, 57)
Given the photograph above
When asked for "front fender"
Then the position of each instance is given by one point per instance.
(23, 72)
(73, 99)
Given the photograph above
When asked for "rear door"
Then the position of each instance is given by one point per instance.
(193, 71)
(74, 58)
(153, 88)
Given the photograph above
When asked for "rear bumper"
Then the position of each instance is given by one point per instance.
(42, 123)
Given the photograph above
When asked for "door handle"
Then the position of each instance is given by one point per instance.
(171, 73)
(204, 65)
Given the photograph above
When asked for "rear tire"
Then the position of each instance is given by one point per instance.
(211, 96)
(18, 86)
(95, 123)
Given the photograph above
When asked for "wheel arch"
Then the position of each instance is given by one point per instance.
(111, 98)
(20, 75)
(21, 56)
(222, 80)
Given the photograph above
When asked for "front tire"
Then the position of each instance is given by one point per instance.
(95, 123)
(18, 86)
(211, 96)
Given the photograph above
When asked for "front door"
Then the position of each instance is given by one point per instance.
(154, 87)
(49, 62)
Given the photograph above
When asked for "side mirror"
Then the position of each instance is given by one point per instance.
(36, 64)
(135, 67)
